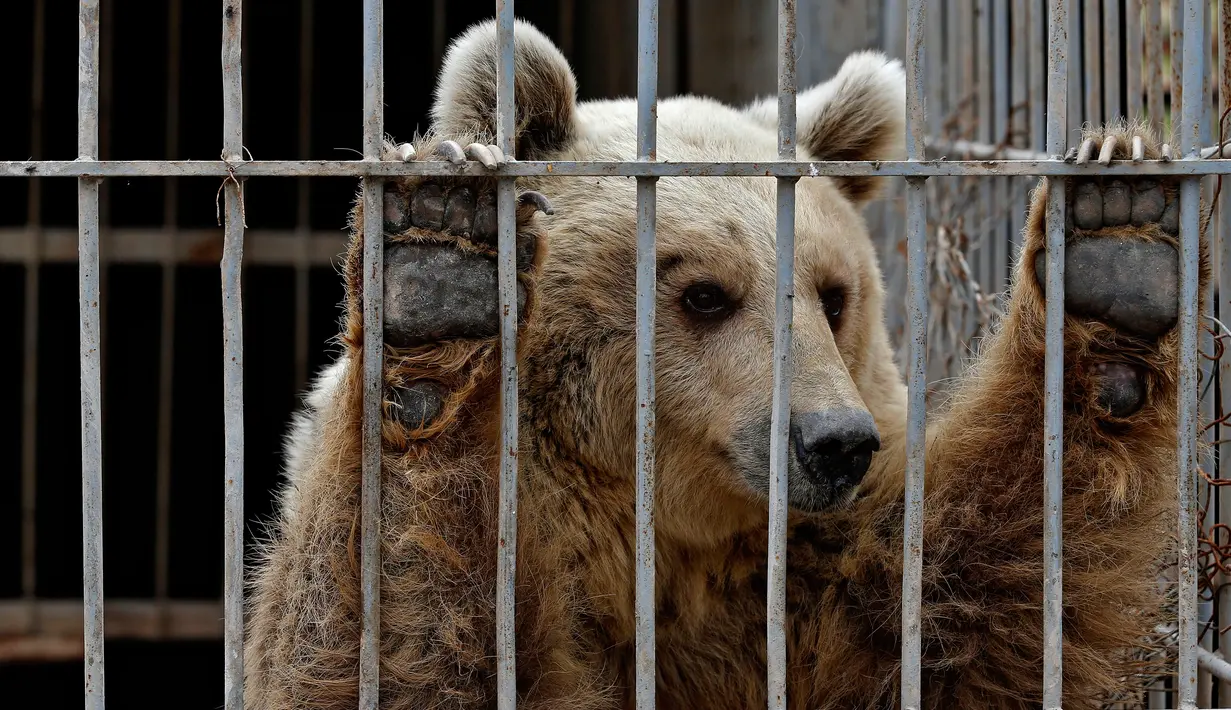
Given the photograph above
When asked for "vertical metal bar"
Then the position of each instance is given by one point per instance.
(1111, 59)
(1020, 113)
(1206, 497)
(1132, 56)
(91, 371)
(935, 70)
(1090, 60)
(783, 315)
(1207, 58)
(956, 38)
(892, 226)
(1053, 414)
(989, 229)
(373, 353)
(1154, 64)
(1177, 64)
(506, 197)
(233, 358)
(1193, 15)
(1000, 127)
(1224, 364)
(647, 149)
(1074, 103)
(166, 333)
(917, 320)
(29, 390)
(1038, 75)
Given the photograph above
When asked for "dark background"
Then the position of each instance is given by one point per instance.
(134, 106)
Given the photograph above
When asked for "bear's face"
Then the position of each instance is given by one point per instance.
(716, 284)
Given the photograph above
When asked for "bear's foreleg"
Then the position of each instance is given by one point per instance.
(982, 617)
(439, 492)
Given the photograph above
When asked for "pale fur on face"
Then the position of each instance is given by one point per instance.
(714, 382)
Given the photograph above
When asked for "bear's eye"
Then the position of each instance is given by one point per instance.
(707, 300)
(832, 302)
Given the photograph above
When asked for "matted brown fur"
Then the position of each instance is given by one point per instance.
(983, 527)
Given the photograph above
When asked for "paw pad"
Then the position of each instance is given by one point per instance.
(1117, 203)
(436, 292)
(418, 404)
(1121, 388)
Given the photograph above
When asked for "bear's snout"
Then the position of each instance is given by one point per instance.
(835, 446)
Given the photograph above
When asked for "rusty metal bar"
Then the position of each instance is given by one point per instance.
(1091, 57)
(1111, 59)
(1192, 75)
(1053, 413)
(780, 425)
(233, 358)
(773, 168)
(647, 142)
(506, 199)
(1177, 64)
(91, 360)
(1074, 101)
(1154, 64)
(1038, 75)
(1133, 10)
(934, 29)
(999, 121)
(1223, 256)
(917, 320)
(1020, 114)
(985, 84)
(1208, 403)
(373, 354)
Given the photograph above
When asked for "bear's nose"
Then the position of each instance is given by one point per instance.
(835, 445)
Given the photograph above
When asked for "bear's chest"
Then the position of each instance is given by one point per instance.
(711, 621)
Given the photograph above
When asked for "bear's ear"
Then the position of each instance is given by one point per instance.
(859, 114)
(545, 92)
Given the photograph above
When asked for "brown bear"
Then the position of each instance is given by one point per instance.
(983, 528)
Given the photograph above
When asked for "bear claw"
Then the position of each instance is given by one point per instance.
(538, 200)
(451, 151)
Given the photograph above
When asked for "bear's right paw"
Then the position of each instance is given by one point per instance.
(441, 289)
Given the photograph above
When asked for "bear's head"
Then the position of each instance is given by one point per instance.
(716, 286)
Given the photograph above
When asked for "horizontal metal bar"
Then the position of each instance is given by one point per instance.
(833, 168)
(146, 619)
(159, 245)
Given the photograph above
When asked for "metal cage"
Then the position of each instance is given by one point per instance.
(232, 169)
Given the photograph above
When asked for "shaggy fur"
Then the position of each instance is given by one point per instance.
(983, 563)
